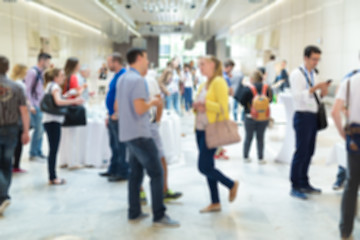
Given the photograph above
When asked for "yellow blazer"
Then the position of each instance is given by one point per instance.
(217, 96)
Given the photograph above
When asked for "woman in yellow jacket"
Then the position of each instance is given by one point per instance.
(212, 100)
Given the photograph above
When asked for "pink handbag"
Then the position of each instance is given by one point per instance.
(221, 133)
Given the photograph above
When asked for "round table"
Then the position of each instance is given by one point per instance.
(288, 148)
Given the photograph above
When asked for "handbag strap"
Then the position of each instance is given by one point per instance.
(222, 113)
(310, 84)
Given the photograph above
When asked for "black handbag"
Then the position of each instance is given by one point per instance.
(321, 114)
(76, 116)
(49, 106)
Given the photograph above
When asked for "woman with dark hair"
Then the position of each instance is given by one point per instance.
(212, 104)
(255, 126)
(72, 67)
(54, 78)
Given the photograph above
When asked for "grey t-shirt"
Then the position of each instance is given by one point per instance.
(11, 98)
(132, 86)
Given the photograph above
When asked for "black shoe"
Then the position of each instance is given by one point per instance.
(311, 190)
(104, 174)
(42, 156)
(116, 179)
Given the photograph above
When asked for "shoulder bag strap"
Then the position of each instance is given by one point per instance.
(347, 106)
(253, 90)
(308, 81)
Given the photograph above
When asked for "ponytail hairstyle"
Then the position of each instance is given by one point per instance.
(50, 75)
(218, 72)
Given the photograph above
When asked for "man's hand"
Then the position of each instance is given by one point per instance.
(33, 110)
(323, 87)
(25, 137)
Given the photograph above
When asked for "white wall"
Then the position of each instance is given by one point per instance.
(18, 19)
(333, 25)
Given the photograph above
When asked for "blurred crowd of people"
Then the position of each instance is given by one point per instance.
(135, 101)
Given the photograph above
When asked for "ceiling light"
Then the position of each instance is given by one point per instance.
(212, 9)
(65, 17)
(97, 2)
(258, 13)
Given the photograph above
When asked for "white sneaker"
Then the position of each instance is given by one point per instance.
(5, 204)
(247, 160)
(262, 162)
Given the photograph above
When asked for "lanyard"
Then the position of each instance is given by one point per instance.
(311, 77)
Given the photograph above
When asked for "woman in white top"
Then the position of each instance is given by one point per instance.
(54, 78)
(18, 74)
(188, 84)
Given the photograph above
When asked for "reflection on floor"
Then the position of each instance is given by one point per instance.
(89, 207)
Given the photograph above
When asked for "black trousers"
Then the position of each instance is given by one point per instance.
(349, 200)
(18, 151)
(53, 130)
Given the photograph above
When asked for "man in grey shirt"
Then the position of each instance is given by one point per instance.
(12, 108)
(132, 96)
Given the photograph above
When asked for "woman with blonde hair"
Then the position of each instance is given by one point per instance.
(18, 75)
(212, 100)
(54, 78)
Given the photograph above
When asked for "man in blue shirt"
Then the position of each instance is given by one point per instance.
(134, 103)
(119, 168)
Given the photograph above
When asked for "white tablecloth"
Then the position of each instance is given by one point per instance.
(170, 132)
(338, 155)
(89, 145)
(287, 150)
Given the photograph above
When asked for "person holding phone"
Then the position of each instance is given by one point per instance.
(305, 120)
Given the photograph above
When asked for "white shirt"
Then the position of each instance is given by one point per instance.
(173, 86)
(188, 80)
(154, 90)
(50, 117)
(354, 108)
(303, 100)
(270, 72)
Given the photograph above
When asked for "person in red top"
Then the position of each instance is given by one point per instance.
(72, 67)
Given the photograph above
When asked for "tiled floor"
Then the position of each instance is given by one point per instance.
(89, 207)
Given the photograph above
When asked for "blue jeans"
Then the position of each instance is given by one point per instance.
(53, 130)
(305, 125)
(118, 165)
(207, 167)
(188, 98)
(37, 137)
(8, 141)
(173, 101)
(235, 110)
(144, 155)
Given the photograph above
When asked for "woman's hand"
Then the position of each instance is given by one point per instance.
(78, 101)
(199, 107)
